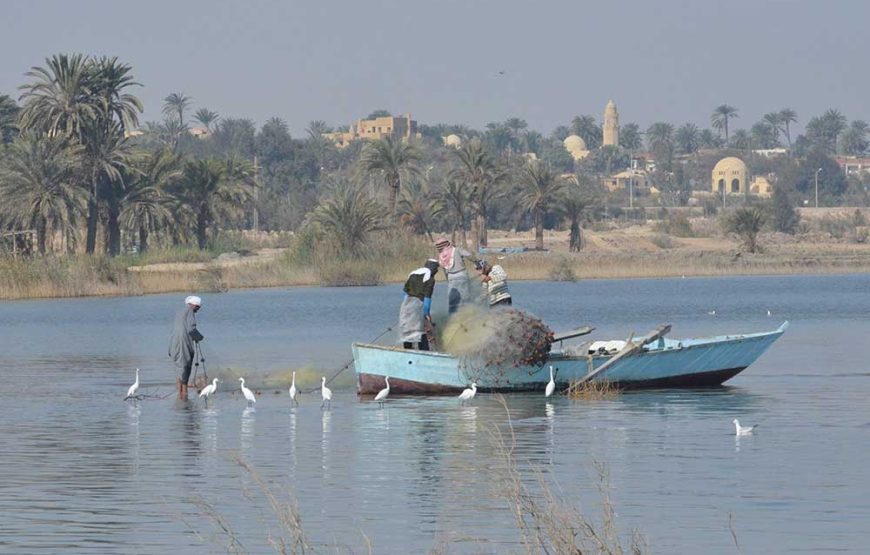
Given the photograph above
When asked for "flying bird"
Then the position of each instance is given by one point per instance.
(135, 387)
(743, 430)
(293, 391)
(468, 394)
(325, 393)
(208, 390)
(249, 395)
(382, 394)
(551, 386)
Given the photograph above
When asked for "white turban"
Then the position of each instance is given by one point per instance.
(193, 299)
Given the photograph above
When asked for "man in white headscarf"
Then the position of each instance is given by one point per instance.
(182, 343)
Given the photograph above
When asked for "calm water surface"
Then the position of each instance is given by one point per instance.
(82, 471)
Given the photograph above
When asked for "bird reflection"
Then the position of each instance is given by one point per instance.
(134, 411)
(468, 421)
(325, 417)
(247, 434)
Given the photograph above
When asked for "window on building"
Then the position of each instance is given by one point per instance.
(721, 185)
(735, 185)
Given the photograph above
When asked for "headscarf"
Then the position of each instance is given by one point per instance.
(194, 300)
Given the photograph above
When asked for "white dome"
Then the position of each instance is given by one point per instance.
(574, 142)
(453, 140)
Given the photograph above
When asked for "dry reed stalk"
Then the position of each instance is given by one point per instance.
(592, 390)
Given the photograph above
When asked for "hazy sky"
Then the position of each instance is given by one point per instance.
(440, 60)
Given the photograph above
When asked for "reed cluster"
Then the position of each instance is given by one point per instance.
(592, 390)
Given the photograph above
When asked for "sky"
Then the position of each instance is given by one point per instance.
(442, 60)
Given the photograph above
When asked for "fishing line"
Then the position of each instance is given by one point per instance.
(348, 364)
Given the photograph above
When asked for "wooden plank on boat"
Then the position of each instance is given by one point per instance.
(585, 330)
(630, 348)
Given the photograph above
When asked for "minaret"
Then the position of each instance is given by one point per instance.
(611, 125)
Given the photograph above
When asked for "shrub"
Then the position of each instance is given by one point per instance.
(662, 241)
(785, 217)
(676, 225)
(563, 270)
(746, 223)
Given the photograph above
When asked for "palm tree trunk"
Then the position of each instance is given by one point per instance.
(395, 183)
(93, 214)
(41, 233)
(462, 235)
(539, 230)
(475, 232)
(574, 241)
(143, 239)
(113, 248)
(201, 231)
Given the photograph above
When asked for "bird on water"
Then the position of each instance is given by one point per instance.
(249, 395)
(209, 390)
(743, 430)
(293, 391)
(551, 386)
(135, 387)
(382, 394)
(325, 394)
(468, 394)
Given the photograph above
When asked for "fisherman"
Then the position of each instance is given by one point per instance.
(182, 343)
(495, 279)
(414, 312)
(452, 259)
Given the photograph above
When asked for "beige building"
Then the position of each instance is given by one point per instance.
(576, 147)
(399, 127)
(628, 180)
(611, 125)
(761, 186)
(452, 140)
(729, 176)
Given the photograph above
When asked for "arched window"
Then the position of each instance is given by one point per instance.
(735, 185)
(721, 185)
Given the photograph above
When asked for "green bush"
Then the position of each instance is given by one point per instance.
(662, 241)
(563, 270)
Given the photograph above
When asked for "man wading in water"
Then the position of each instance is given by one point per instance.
(182, 343)
(452, 260)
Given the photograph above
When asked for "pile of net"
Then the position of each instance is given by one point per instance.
(496, 341)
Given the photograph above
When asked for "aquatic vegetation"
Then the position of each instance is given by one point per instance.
(592, 390)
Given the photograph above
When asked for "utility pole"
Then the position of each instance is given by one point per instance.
(256, 219)
(817, 186)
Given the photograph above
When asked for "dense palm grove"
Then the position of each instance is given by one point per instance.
(78, 168)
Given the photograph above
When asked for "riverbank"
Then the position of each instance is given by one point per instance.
(628, 252)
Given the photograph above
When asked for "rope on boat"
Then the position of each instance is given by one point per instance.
(347, 365)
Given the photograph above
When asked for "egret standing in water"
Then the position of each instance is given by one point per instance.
(468, 394)
(293, 391)
(551, 386)
(325, 393)
(133, 388)
(382, 394)
(249, 395)
(208, 390)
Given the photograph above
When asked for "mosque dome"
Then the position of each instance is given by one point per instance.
(453, 140)
(730, 165)
(574, 142)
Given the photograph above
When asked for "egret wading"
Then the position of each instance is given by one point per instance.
(209, 390)
(551, 386)
(293, 391)
(325, 393)
(468, 394)
(135, 387)
(249, 395)
(743, 430)
(382, 394)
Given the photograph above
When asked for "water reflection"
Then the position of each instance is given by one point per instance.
(246, 437)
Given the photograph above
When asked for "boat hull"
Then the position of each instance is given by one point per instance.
(670, 363)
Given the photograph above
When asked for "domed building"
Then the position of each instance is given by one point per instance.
(576, 147)
(729, 176)
(453, 140)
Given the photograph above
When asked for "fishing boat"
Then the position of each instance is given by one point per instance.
(651, 361)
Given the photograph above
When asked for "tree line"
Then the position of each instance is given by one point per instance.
(79, 169)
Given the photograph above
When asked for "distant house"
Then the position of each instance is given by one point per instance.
(199, 132)
(628, 180)
(402, 127)
(853, 164)
(771, 152)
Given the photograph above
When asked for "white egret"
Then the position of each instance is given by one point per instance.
(711, 313)
(743, 430)
(325, 393)
(135, 387)
(249, 395)
(382, 394)
(551, 386)
(293, 391)
(208, 390)
(468, 394)
(768, 313)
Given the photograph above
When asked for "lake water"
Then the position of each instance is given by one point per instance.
(82, 471)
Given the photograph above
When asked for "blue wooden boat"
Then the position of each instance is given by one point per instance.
(652, 362)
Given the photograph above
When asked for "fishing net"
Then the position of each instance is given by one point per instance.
(491, 343)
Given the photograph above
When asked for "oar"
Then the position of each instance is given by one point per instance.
(630, 348)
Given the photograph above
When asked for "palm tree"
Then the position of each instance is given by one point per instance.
(787, 116)
(392, 158)
(476, 167)
(147, 204)
(85, 101)
(660, 139)
(721, 116)
(206, 117)
(456, 199)
(317, 128)
(629, 136)
(209, 190)
(175, 105)
(854, 138)
(418, 207)
(588, 130)
(746, 223)
(687, 138)
(823, 131)
(541, 187)
(8, 119)
(572, 203)
(107, 154)
(348, 216)
(37, 189)
(774, 120)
